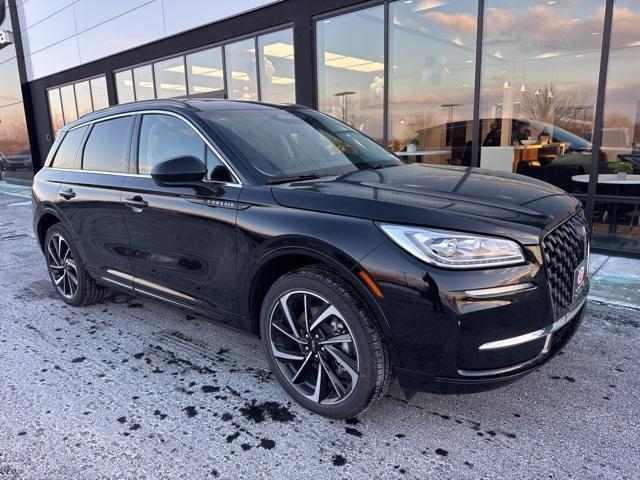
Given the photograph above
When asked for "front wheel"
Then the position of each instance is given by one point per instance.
(322, 343)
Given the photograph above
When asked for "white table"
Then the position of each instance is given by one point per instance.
(611, 179)
(423, 153)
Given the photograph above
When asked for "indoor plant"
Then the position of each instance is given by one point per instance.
(622, 168)
(412, 145)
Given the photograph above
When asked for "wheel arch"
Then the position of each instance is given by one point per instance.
(47, 219)
(281, 261)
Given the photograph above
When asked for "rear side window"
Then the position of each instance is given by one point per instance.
(66, 155)
(164, 136)
(107, 148)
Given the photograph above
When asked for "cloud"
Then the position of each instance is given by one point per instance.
(463, 23)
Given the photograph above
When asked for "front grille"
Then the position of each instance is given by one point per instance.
(564, 248)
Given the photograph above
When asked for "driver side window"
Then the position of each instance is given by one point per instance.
(165, 136)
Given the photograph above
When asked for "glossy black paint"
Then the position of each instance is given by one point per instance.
(177, 170)
(217, 249)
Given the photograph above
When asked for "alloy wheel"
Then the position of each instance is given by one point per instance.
(314, 347)
(62, 266)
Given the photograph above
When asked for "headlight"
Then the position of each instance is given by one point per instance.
(453, 249)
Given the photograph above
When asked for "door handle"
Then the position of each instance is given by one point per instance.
(137, 203)
(67, 194)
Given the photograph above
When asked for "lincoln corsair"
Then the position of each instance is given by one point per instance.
(352, 266)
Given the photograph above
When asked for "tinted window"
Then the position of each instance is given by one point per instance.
(164, 136)
(170, 80)
(240, 59)
(143, 78)
(68, 103)
(124, 87)
(99, 93)
(107, 147)
(55, 110)
(204, 71)
(83, 98)
(66, 155)
(279, 143)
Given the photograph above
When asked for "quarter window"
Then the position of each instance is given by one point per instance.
(164, 136)
(107, 147)
(66, 155)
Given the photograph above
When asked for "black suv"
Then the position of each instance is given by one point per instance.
(351, 265)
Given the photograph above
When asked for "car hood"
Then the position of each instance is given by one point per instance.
(460, 198)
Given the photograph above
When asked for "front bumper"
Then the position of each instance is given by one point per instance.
(465, 331)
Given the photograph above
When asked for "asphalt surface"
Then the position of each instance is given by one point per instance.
(131, 388)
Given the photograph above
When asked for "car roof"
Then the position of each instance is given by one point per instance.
(176, 105)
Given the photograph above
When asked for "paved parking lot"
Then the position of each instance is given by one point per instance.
(133, 389)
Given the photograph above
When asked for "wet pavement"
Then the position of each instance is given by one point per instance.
(130, 388)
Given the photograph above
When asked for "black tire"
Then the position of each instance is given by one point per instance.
(87, 291)
(374, 372)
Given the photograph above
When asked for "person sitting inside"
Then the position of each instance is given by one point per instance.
(493, 137)
(520, 132)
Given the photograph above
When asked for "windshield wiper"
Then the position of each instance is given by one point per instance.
(293, 178)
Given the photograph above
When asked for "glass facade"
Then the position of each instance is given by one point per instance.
(68, 102)
(432, 57)
(539, 86)
(516, 86)
(533, 98)
(240, 65)
(616, 217)
(170, 78)
(350, 64)
(277, 71)
(15, 152)
(205, 73)
(234, 70)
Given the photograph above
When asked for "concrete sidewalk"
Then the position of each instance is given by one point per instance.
(613, 279)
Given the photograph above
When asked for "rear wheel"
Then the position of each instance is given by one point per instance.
(67, 271)
(322, 343)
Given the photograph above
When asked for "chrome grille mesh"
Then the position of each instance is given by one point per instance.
(564, 248)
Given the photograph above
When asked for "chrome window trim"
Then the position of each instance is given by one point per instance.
(143, 175)
(238, 182)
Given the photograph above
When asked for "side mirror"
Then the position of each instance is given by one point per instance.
(179, 171)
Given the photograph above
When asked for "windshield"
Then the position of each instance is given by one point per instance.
(279, 143)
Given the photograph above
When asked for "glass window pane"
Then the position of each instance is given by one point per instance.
(170, 81)
(68, 103)
(124, 87)
(99, 93)
(432, 50)
(106, 148)
(205, 72)
(350, 59)
(15, 154)
(66, 155)
(240, 58)
(277, 72)
(616, 223)
(143, 81)
(539, 85)
(55, 110)
(83, 98)
(163, 137)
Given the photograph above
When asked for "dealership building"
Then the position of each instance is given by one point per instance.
(544, 88)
